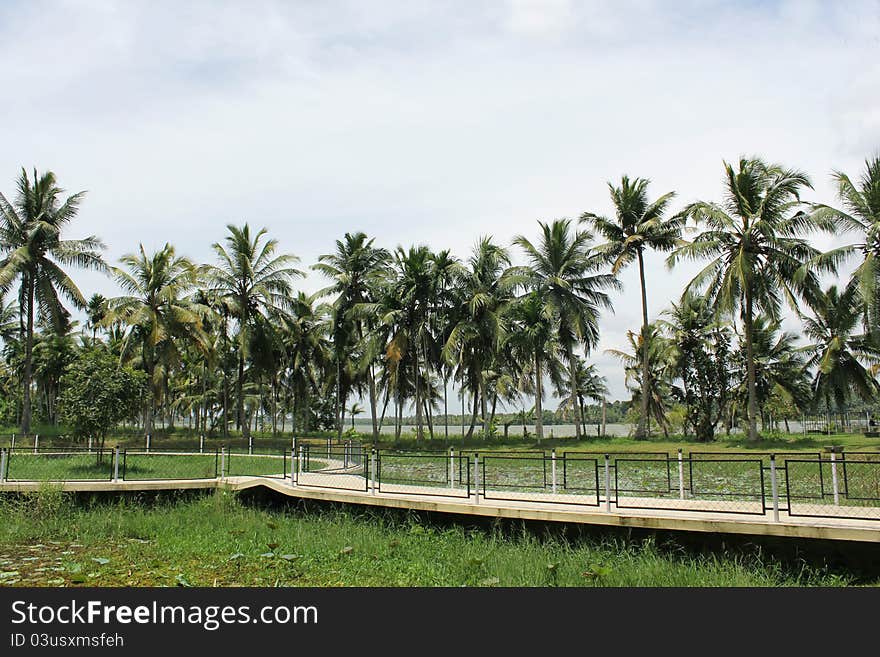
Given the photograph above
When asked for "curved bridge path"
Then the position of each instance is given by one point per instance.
(342, 486)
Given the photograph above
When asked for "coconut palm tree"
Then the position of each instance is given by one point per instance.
(252, 280)
(838, 352)
(563, 272)
(96, 309)
(531, 337)
(484, 288)
(861, 214)
(354, 268)
(756, 252)
(639, 224)
(161, 318)
(33, 251)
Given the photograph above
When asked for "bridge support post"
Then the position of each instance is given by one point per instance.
(476, 478)
(452, 467)
(607, 484)
(680, 475)
(774, 488)
(834, 477)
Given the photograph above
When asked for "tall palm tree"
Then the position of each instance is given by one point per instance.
(639, 224)
(531, 336)
(838, 352)
(33, 251)
(756, 252)
(485, 287)
(160, 317)
(354, 268)
(563, 273)
(252, 280)
(861, 214)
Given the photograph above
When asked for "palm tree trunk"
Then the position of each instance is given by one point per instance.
(470, 431)
(643, 416)
(445, 408)
(539, 409)
(484, 409)
(28, 360)
(750, 367)
(419, 435)
(242, 421)
(373, 405)
(572, 370)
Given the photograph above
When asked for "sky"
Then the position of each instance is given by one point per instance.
(424, 122)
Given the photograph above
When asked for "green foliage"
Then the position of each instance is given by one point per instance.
(98, 393)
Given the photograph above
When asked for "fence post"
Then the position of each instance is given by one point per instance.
(12, 444)
(553, 469)
(680, 475)
(149, 440)
(476, 478)
(607, 483)
(329, 440)
(302, 462)
(373, 457)
(2, 464)
(834, 477)
(250, 443)
(774, 488)
(222, 461)
(452, 467)
(293, 467)
(90, 443)
(36, 442)
(116, 463)
(201, 443)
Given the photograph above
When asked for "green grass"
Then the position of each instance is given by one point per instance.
(217, 541)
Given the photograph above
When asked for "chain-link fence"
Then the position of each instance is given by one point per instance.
(52, 464)
(141, 465)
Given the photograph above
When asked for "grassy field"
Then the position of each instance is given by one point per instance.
(216, 540)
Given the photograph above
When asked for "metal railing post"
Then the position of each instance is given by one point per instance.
(90, 443)
(250, 443)
(607, 484)
(201, 443)
(116, 463)
(36, 443)
(223, 462)
(680, 475)
(452, 467)
(476, 478)
(3, 458)
(12, 444)
(553, 469)
(774, 488)
(834, 478)
(302, 462)
(149, 440)
(373, 458)
(293, 463)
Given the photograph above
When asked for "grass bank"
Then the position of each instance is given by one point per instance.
(216, 540)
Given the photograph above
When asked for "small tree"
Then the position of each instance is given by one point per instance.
(98, 393)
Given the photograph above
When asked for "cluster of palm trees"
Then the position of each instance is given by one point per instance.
(233, 345)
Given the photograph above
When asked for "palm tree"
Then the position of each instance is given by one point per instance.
(354, 267)
(32, 250)
(660, 371)
(96, 309)
(531, 337)
(861, 214)
(161, 318)
(562, 271)
(353, 411)
(639, 224)
(252, 280)
(756, 253)
(484, 290)
(838, 351)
